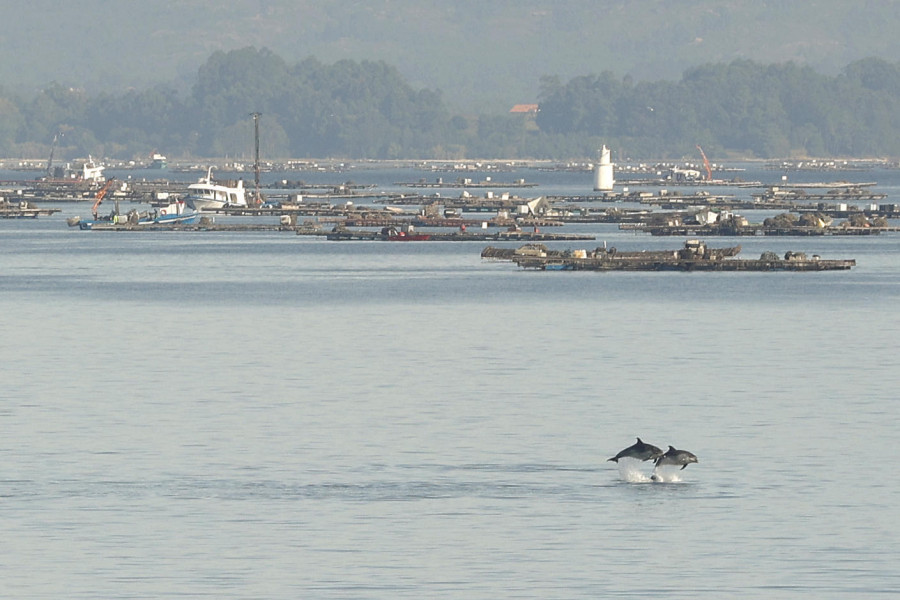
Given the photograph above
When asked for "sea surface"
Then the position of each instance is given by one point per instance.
(265, 415)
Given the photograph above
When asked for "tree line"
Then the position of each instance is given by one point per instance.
(741, 108)
(367, 110)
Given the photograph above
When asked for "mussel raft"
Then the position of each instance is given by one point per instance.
(694, 256)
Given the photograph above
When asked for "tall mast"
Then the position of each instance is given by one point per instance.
(256, 117)
(52, 148)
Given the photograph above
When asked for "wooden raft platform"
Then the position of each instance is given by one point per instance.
(346, 235)
(466, 183)
(23, 210)
(752, 230)
(189, 227)
(695, 256)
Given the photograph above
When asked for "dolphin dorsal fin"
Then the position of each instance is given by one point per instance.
(639, 440)
(671, 448)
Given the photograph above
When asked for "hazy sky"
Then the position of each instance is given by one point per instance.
(484, 53)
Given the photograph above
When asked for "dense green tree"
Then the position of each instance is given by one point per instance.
(53, 109)
(741, 107)
(367, 110)
(11, 122)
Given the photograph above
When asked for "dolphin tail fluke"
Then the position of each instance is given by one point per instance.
(613, 459)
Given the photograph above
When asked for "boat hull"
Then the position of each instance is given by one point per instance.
(199, 203)
(176, 219)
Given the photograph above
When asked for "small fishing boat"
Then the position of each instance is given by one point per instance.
(176, 213)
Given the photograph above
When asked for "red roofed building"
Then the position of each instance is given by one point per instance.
(527, 109)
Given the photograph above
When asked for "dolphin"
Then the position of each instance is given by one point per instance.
(676, 457)
(640, 451)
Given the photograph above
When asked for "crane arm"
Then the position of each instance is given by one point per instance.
(705, 163)
(101, 194)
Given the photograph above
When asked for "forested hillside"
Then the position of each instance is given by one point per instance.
(367, 110)
(741, 108)
(483, 56)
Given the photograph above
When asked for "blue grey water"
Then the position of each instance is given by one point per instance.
(266, 415)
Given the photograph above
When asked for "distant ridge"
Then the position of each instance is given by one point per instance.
(481, 55)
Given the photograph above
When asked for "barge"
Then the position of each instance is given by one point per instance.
(694, 256)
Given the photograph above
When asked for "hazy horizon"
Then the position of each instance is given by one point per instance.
(482, 56)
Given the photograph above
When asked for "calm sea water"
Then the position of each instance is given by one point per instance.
(274, 416)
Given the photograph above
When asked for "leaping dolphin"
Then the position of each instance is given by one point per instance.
(676, 457)
(640, 451)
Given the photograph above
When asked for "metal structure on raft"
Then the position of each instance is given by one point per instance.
(695, 256)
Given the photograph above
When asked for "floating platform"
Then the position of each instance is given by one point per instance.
(465, 182)
(752, 230)
(391, 235)
(23, 210)
(202, 226)
(841, 194)
(383, 220)
(695, 256)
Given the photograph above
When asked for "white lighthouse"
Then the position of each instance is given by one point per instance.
(603, 174)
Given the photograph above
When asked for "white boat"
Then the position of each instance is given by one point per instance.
(92, 171)
(208, 195)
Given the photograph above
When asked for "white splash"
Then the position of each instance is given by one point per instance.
(630, 471)
(666, 474)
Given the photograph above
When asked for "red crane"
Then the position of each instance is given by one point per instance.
(705, 163)
(102, 194)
